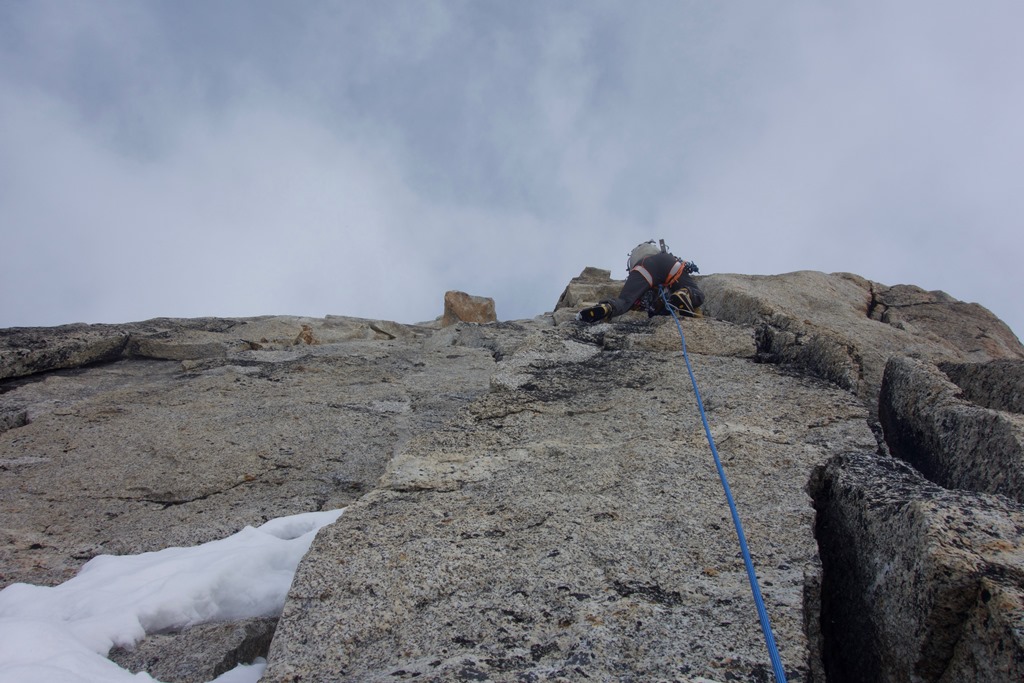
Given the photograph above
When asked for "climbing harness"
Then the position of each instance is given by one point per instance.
(762, 613)
(634, 264)
(677, 272)
(649, 303)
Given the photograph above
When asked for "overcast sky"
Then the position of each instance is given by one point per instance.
(246, 157)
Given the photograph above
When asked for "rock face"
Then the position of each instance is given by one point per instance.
(998, 385)
(200, 654)
(537, 500)
(553, 529)
(587, 289)
(953, 442)
(148, 452)
(920, 582)
(828, 325)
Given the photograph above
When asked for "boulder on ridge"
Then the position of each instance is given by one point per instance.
(466, 308)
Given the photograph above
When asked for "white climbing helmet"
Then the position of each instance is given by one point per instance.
(640, 252)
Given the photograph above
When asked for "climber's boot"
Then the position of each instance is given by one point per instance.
(684, 304)
(594, 314)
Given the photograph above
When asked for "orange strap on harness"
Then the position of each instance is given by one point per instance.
(675, 273)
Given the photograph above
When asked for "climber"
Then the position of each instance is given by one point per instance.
(651, 267)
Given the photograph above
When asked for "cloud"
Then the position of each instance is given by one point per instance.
(194, 159)
(240, 217)
(885, 148)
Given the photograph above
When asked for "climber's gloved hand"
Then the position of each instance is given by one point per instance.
(690, 268)
(594, 314)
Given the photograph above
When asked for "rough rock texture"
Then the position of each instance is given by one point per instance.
(553, 528)
(535, 500)
(586, 289)
(998, 385)
(460, 307)
(199, 654)
(28, 351)
(951, 441)
(972, 330)
(143, 454)
(844, 328)
(921, 583)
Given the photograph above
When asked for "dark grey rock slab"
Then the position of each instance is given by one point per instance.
(952, 441)
(198, 654)
(920, 582)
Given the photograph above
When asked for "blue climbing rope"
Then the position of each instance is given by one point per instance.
(762, 613)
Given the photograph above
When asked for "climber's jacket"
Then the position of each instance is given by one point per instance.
(659, 269)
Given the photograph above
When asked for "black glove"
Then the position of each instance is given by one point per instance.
(594, 314)
(690, 267)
